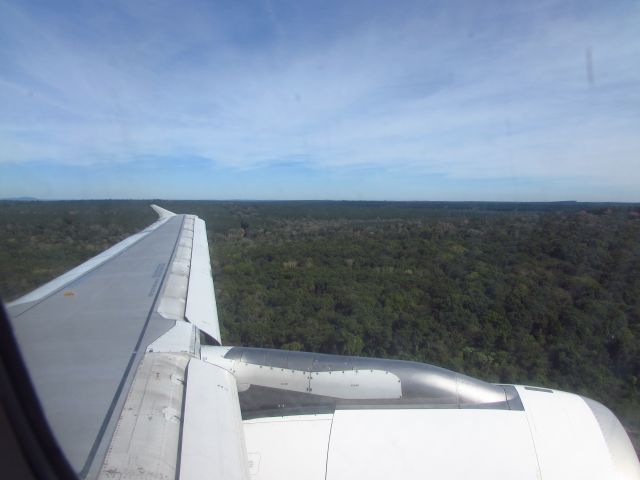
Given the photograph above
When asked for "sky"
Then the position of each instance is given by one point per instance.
(350, 100)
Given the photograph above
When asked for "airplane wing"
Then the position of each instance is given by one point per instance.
(108, 346)
(125, 355)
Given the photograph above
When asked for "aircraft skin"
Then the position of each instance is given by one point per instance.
(126, 357)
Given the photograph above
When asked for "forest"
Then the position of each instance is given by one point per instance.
(535, 293)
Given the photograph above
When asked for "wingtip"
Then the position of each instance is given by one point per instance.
(162, 212)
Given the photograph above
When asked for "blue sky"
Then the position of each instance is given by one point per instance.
(442, 100)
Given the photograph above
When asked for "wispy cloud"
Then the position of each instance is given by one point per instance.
(469, 92)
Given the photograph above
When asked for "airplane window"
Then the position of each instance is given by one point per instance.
(356, 213)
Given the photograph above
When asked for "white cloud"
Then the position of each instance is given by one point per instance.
(432, 94)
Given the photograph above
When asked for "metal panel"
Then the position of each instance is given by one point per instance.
(513, 399)
(145, 443)
(438, 444)
(298, 360)
(567, 436)
(256, 356)
(356, 384)
(300, 451)
(214, 354)
(623, 456)
(212, 442)
(201, 300)
(183, 337)
(472, 392)
(267, 376)
(344, 384)
(353, 382)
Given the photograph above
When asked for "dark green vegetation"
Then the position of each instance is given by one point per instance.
(545, 294)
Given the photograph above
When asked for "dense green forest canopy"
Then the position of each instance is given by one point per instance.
(534, 293)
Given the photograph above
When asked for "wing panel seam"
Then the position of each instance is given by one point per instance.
(326, 463)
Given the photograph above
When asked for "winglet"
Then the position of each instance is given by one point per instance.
(162, 213)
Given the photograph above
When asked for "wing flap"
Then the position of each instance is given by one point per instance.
(145, 442)
(212, 441)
